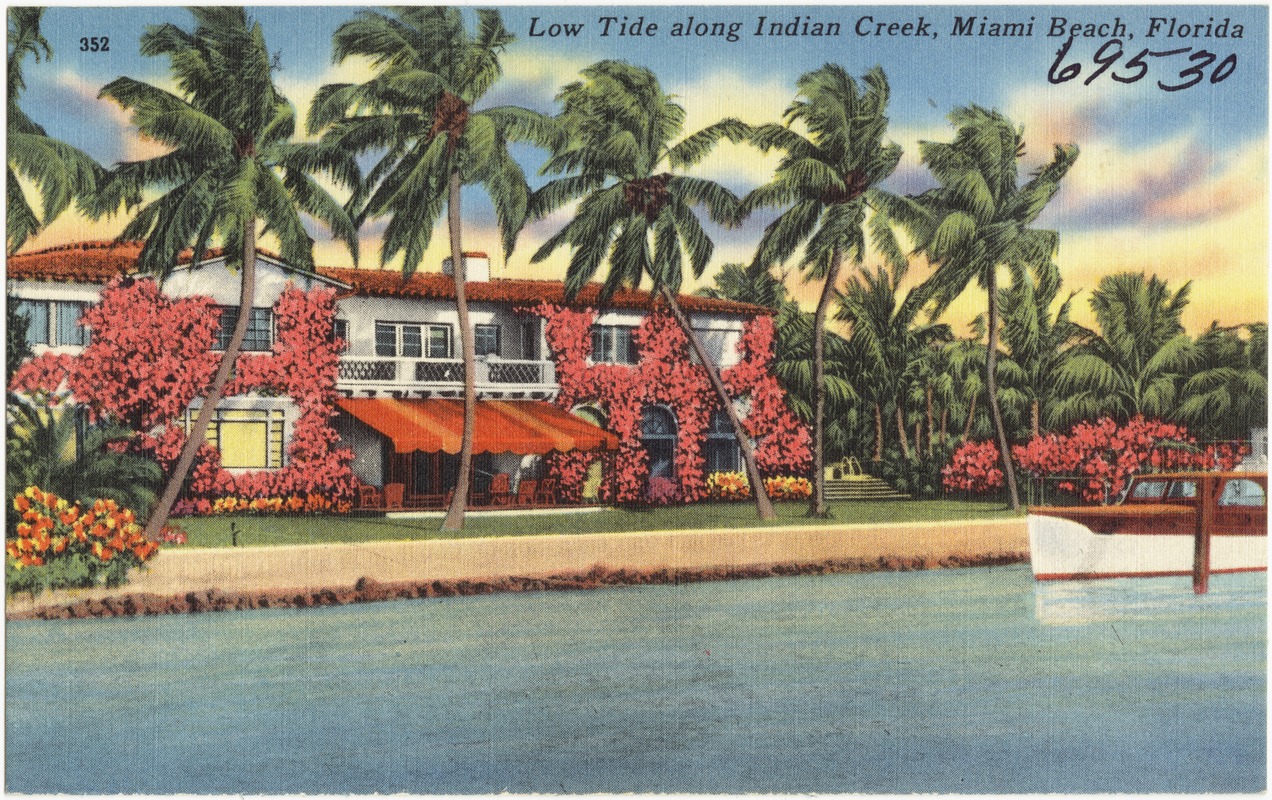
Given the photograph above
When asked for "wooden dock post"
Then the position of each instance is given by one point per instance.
(1201, 536)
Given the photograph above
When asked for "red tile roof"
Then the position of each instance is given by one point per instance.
(88, 262)
(98, 262)
(435, 286)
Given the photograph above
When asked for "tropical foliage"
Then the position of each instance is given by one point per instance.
(827, 181)
(58, 172)
(619, 126)
(58, 544)
(978, 221)
(230, 169)
(418, 115)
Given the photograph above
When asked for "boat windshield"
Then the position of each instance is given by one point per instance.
(1148, 490)
(1182, 490)
(1242, 492)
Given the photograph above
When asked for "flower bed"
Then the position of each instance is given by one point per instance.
(734, 486)
(292, 504)
(59, 545)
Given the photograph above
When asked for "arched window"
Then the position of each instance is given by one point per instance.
(722, 451)
(658, 435)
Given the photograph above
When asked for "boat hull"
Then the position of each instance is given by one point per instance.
(1062, 549)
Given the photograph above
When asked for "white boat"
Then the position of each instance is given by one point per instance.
(1155, 531)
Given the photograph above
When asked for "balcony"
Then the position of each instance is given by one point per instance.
(387, 376)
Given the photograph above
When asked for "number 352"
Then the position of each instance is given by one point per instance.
(95, 44)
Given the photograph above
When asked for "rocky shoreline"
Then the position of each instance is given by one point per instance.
(369, 590)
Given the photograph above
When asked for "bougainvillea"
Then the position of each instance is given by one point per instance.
(666, 376)
(1095, 460)
(59, 545)
(150, 356)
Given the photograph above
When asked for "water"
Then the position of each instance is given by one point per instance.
(952, 680)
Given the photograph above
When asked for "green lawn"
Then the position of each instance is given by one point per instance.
(215, 531)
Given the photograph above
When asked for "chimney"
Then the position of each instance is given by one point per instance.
(476, 267)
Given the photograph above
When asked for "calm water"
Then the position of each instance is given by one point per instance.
(953, 680)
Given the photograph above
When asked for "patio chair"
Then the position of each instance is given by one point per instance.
(526, 490)
(547, 494)
(393, 495)
(368, 497)
(500, 489)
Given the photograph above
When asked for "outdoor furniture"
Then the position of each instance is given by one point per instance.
(500, 493)
(393, 495)
(547, 494)
(526, 490)
(368, 497)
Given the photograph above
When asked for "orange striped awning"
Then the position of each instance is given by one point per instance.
(524, 427)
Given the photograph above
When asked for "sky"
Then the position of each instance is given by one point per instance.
(1169, 182)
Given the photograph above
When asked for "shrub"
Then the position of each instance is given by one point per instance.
(788, 488)
(974, 467)
(312, 503)
(663, 491)
(920, 479)
(58, 545)
(728, 486)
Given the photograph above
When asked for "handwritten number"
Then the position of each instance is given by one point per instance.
(1066, 73)
(1194, 73)
(1136, 62)
(1104, 61)
(1136, 67)
(1229, 64)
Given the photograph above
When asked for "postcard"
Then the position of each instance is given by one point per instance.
(636, 399)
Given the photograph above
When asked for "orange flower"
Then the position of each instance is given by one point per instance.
(21, 503)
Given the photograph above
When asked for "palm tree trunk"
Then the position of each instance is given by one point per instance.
(905, 440)
(878, 415)
(459, 500)
(817, 506)
(945, 418)
(971, 417)
(918, 440)
(931, 421)
(1035, 425)
(763, 505)
(991, 388)
(176, 479)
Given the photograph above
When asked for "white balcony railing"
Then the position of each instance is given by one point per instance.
(445, 377)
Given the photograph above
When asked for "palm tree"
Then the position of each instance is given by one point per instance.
(50, 447)
(828, 179)
(1229, 394)
(418, 114)
(1037, 344)
(965, 359)
(977, 221)
(889, 343)
(1140, 359)
(60, 173)
(230, 170)
(620, 126)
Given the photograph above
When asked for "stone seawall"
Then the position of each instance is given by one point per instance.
(215, 579)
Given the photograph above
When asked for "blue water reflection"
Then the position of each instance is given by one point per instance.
(953, 680)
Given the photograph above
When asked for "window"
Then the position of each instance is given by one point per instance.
(248, 438)
(1148, 490)
(530, 339)
(722, 451)
(713, 343)
(340, 330)
(53, 322)
(410, 340)
(1243, 492)
(613, 344)
(658, 435)
(37, 317)
(260, 329)
(486, 338)
(1182, 490)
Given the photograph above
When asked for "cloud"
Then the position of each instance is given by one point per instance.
(82, 100)
(1177, 177)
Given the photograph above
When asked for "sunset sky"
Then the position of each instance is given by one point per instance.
(1169, 182)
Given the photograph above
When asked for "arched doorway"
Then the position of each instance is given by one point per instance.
(658, 435)
(596, 470)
